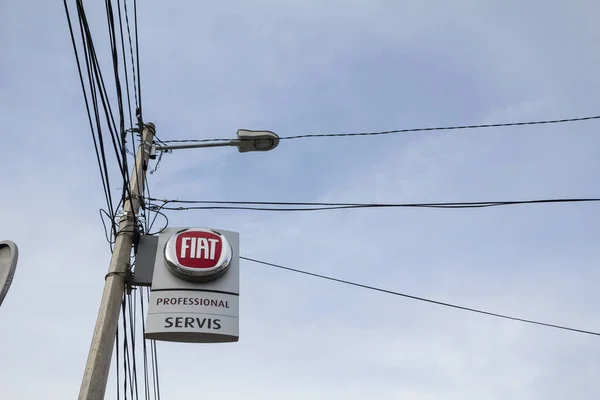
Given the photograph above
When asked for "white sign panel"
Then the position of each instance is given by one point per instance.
(195, 289)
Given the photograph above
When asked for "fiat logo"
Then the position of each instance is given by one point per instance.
(198, 254)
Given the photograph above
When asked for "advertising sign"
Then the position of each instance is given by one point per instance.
(194, 296)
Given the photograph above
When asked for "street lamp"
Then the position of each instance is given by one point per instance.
(247, 141)
(8, 263)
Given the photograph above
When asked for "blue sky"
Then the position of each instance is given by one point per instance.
(298, 67)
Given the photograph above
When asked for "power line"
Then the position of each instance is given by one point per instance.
(408, 130)
(127, 357)
(423, 299)
(96, 80)
(137, 54)
(133, 69)
(321, 206)
(154, 360)
(96, 94)
(126, 74)
(125, 69)
(96, 136)
(115, 58)
(136, 82)
(97, 74)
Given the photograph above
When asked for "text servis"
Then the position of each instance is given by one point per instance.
(190, 322)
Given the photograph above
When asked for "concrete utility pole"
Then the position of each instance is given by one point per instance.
(95, 377)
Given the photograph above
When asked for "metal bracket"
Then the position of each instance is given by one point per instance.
(153, 152)
(145, 258)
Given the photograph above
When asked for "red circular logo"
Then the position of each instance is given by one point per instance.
(198, 249)
(198, 254)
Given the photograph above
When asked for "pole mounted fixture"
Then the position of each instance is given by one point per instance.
(256, 140)
(247, 141)
(9, 253)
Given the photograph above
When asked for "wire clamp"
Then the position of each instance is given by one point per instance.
(127, 274)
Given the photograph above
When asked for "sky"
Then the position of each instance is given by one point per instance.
(299, 67)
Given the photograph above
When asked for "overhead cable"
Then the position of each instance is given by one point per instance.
(320, 206)
(96, 96)
(91, 104)
(422, 299)
(409, 130)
